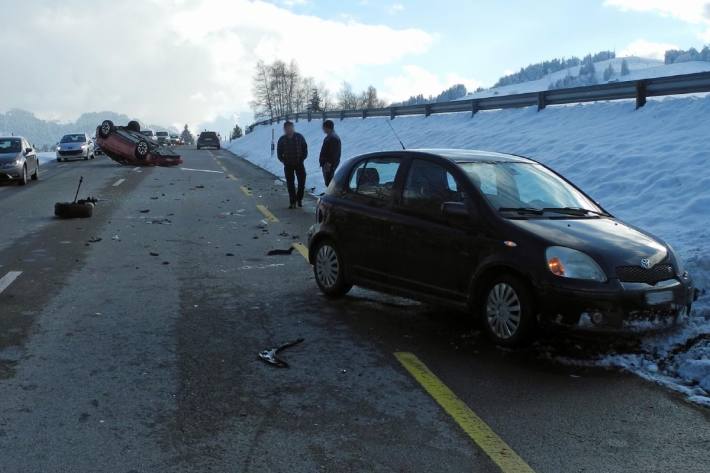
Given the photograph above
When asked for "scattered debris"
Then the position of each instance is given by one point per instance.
(270, 356)
(280, 252)
(229, 254)
(144, 211)
(116, 238)
(152, 253)
(159, 221)
(95, 240)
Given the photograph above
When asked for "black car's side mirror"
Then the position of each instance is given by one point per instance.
(28, 151)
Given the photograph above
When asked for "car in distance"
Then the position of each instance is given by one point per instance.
(499, 235)
(163, 138)
(150, 134)
(127, 145)
(208, 139)
(175, 139)
(18, 160)
(75, 146)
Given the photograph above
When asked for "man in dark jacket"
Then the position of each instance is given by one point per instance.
(292, 150)
(330, 152)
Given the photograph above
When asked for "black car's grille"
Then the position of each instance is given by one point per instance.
(73, 152)
(658, 273)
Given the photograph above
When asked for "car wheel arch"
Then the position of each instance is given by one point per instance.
(484, 275)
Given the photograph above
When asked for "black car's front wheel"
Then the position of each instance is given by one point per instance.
(508, 311)
(329, 270)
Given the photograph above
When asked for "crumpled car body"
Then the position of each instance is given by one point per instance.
(126, 145)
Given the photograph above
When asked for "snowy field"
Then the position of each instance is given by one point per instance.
(650, 167)
(46, 157)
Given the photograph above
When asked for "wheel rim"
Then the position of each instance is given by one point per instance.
(142, 148)
(105, 128)
(503, 310)
(327, 266)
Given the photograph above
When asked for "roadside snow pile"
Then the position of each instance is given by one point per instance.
(46, 157)
(650, 167)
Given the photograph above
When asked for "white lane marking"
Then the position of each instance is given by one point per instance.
(119, 182)
(202, 170)
(136, 169)
(8, 279)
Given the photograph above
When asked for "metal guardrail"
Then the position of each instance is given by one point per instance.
(639, 90)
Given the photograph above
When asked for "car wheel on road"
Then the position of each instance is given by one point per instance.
(142, 150)
(507, 311)
(106, 128)
(73, 210)
(59, 160)
(329, 270)
(35, 176)
(23, 180)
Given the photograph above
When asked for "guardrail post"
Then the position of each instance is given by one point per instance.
(323, 115)
(427, 110)
(309, 115)
(271, 121)
(541, 101)
(392, 113)
(640, 94)
(297, 117)
(342, 115)
(364, 113)
(474, 108)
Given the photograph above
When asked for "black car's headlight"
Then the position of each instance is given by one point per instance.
(573, 264)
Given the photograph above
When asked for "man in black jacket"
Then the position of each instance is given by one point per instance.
(330, 152)
(292, 150)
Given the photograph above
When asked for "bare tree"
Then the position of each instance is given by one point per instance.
(369, 99)
(347, 99)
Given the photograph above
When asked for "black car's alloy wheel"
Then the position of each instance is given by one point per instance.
(508, 313)
(329, 270)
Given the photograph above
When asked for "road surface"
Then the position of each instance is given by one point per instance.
(129, 342)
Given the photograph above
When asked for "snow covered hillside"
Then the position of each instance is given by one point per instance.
(639, 68)
(650, 167)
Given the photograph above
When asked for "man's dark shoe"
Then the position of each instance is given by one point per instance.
(292, 206)
(300, 203)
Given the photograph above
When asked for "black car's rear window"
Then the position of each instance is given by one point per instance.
(208, 134)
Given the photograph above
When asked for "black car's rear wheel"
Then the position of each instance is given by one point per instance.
(329, 270)
(142, 150)
(106, 128)
(508, 311)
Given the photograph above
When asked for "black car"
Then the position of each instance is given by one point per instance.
(208, 139)
(499, 235)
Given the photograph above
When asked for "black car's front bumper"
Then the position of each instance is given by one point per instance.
(614, 305)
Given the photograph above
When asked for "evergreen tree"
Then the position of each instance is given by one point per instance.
(314, 104)
(608, 73)
(236, 133)
(625, 68)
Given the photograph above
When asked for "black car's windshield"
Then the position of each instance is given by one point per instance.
(527, 189)
(208, 134)
(73, 139)
(10, 145)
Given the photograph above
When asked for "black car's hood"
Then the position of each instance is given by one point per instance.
(609, 241)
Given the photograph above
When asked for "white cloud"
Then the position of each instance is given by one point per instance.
(689, 11)
(415, 80)
(395, 8)
(174, 61)
(649, 49)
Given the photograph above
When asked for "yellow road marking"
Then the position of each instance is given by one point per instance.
(267, 213)
(502, 455)
(246, 191)
(301, 248)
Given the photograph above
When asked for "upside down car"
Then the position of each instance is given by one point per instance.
(126, 145)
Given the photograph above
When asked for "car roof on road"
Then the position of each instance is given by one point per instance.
(472, 155)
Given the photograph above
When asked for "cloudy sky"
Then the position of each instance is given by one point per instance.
(191, 61)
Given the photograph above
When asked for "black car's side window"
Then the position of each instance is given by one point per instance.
(428, 186)
(375, 178)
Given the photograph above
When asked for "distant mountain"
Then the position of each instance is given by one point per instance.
(590, 72)
(45, 133)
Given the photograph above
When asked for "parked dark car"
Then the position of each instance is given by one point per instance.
(18, 160)
(208, 139)
(501, 236)
(127, 145)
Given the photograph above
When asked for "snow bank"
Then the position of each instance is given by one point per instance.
(46, 157)
(650, 167)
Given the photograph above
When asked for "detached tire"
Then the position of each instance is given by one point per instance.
(507, 311)
(106, 128)
(142, 150)
(73, 210)
(329, 270)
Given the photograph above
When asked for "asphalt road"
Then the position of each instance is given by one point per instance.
(129, 341)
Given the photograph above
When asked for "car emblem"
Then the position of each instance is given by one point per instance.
(646, 263)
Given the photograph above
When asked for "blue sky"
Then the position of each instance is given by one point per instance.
(482, 40)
